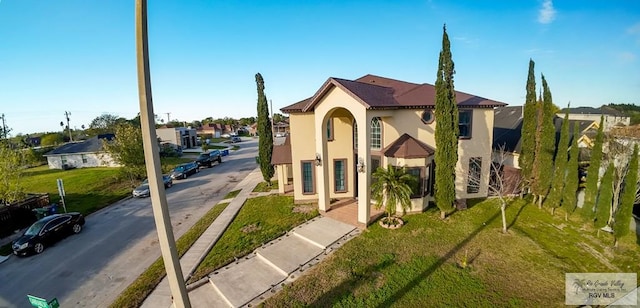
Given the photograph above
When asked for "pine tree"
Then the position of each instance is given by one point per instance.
(593, 175)
(265, 145)
(569, 198)
(446, 135)
(529, 124)
(545, 146)
(622, 218)
(560, 166)
(603, 208)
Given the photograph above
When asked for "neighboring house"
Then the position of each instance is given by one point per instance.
(87, 153)
(177, 137)
(350, 127)
(281, 128)
(507, 132)
(253, 129)
(213, 129)
(612, 117)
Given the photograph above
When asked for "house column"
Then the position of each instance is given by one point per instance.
(322, 173)
(282, 177)
(364, 182)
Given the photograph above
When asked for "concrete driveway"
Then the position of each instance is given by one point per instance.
(118, 243)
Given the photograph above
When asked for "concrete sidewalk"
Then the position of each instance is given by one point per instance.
(161, 296)
(253, 278)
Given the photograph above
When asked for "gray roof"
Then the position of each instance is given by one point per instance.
(92, 145)
(507, 127)
(590, 110)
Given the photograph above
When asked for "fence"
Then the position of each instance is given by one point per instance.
(20, 214)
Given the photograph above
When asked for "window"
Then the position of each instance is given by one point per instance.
(475, 175)
(308, 181)
(84, 158)
(417, 186)
(355, 135)
(464, 123)
(427, 117)
(375, 163)
(376, 134)
(340, 175)
(64, 159)
(330, 129)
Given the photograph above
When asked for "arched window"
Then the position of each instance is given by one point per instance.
(355, 134)
(376, 134)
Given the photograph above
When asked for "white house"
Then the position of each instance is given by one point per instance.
(87, 153)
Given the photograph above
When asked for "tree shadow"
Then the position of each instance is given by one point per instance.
(513, 222)
(413, 283)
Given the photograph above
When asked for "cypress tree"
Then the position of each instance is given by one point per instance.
(622, 218)
(545, 145)
(265, 145)
(560, 166)
(593, 174)
(528, 132)
(569, 198)
(446, 135)
(603, 208)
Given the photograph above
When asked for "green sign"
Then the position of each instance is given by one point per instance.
(42, 303)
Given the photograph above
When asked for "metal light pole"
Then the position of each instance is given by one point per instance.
(152, 159)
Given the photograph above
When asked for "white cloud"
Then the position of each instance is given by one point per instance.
(547, 13)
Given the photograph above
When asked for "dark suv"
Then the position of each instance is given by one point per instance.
(184, 170)
(207, 159)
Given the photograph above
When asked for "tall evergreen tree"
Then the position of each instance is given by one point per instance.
(593, 174)
(622, 218)
(603, 208)
(569, 198)
(560, 166)
(529, 124)
(545, 145)
(265, 145)
(447, 131)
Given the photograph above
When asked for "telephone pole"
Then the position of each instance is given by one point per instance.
(168, 119)
(4, 128)
(67, 114)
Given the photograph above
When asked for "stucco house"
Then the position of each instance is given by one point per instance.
(83, 154)
(177, 137)
(213, 129)
(348, 128)
(612, 117)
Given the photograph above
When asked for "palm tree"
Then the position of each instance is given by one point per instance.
(392, 186)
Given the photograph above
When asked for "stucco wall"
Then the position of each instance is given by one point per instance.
(302, 148)
(609, 120)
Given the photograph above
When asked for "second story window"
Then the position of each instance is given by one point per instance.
(376, 134)
(464, 123)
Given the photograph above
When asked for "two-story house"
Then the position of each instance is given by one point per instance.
(348, 128)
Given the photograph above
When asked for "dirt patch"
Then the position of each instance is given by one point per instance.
(598, 256)
(250, 228)
(304, 208)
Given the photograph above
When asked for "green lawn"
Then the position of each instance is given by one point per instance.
(232, 194)
(136, 292)
(418, 265)
(260, 220)
(262, 187)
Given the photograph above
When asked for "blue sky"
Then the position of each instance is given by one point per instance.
(79, 55)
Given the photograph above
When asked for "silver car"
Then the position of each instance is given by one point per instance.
(142, 191)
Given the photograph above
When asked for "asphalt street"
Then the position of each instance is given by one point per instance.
(119, 242)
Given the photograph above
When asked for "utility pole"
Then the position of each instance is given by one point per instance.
(168, 119)
(67, 114)
(4, 128)
(152, 161)
(273, 134)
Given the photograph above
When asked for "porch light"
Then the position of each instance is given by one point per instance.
(360, 165)
(318, 160)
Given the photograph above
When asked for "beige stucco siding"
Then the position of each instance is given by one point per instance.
(302, 148)
(479, 145)
(341, 147)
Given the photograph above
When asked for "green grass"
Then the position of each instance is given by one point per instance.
(260, 220)
(217, 147)
(263, 187)
(136, 292)
(232, 194)
(418, 265)
(235, 148)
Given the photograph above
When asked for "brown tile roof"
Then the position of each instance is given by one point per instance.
(408, 147)
(375, 92)
(282, 153)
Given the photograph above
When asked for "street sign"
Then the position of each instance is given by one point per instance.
(42, 303)
(60, 188)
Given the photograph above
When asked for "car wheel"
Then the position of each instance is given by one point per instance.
(197, 170)
(169, 184)
(38, 248)
(219, 160)
(77, 228)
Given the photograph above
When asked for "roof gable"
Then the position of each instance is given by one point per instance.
(92, 145)
(408, 147)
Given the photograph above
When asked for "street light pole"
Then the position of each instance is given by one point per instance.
(152, 161)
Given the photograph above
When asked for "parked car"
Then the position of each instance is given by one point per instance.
(142, 191)
(235, 139)
(207, 159)
(185, 170)
(46, 232)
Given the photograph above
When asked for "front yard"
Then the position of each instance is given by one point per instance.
(419, 265)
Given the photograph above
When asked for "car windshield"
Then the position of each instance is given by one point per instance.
(179, 168)
(35, 228)
(203, 156)
(145, 182)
